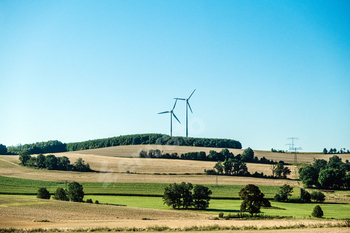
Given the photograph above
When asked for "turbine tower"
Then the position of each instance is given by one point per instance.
(171, 118)
(187, 106)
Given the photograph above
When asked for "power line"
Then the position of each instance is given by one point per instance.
(293, 148)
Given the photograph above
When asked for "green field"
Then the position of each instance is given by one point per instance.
(297, 210)
(331, 211)
(23, 186)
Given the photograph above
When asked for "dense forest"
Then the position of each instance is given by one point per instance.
(136, 139)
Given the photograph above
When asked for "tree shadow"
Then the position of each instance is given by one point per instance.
(222, 210)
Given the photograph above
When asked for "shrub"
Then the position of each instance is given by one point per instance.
(266, 203)
(317, 212)
(305, 196)
(317, 196)
(43, 194)
(210, 172)
(89, 201)
(97, 202)
(221, 215)
(60, 194)
(277, 197)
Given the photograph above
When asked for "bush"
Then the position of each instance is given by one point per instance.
(221, 215)
(317, 212)
(266, 203)
(97, 202)
(43, 194)
(277, 197)
(60, 195)
(317, 196)
(89, 201)
(305, 196)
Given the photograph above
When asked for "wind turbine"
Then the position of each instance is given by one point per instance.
(187, 106)
(171, 118)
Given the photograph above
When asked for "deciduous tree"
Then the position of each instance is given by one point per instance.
(43, 194)
(252, 198)
(201, 197)
(61, 195)
(24, 156)
(75, 192)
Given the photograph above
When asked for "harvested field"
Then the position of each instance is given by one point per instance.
(30, 213)
(144, 171)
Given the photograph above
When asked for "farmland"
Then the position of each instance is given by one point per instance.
(133, 186)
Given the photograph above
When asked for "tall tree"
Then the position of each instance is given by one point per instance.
(186, 194)
(3, 149)
(40, 161)
(24, 156)
(219, 167)
(172, 196)
(75, 192)
(248, 155)
(252, 198)
(61, 195)
(51, 162)
(228, 166)
(201, 197)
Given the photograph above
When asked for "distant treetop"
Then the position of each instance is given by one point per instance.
(136, 139)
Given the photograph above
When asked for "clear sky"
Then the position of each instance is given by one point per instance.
(263, 70)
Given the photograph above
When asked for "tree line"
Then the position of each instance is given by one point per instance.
(224, 154)
(333, 174)
(137, 139)
(74, 193)
(335, 151)
(237, 167)
(51, 162)
(39, 147)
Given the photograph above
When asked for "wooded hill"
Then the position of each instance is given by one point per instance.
(136, 139)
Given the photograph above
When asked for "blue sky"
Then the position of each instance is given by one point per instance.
(263, 70)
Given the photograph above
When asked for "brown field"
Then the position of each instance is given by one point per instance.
(29, 213)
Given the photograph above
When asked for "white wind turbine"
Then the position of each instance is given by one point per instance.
(171, 118)
(187, 106)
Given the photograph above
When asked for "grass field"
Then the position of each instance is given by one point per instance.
(296, 210)
(24, 186)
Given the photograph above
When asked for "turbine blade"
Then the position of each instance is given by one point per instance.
(164, 112)
(189, 106)
(191, 94)
(174, 105)
(176, 118)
